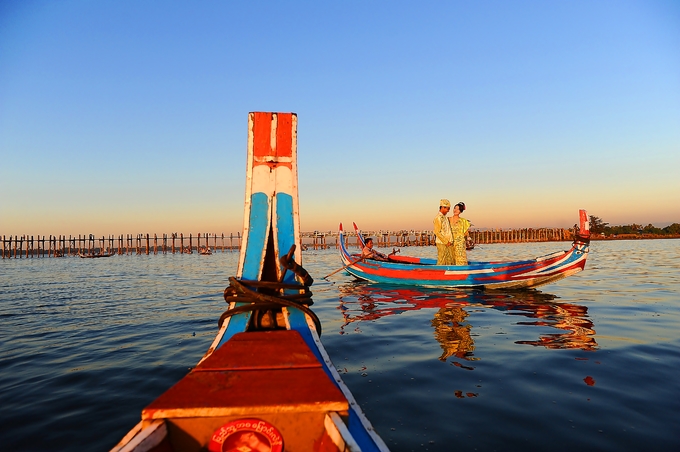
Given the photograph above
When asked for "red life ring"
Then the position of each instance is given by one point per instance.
(246, 434)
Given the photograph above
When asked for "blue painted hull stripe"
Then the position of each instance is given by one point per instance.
(256, 243)
(257, 235)
(285, 229)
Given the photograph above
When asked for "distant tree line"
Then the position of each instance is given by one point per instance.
(598, 226)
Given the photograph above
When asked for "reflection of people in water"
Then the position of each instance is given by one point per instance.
(568, 317)
(453, 336)
(246, 442)
(365, 302)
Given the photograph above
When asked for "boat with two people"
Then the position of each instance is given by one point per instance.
(522, 274)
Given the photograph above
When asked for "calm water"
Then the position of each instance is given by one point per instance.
(589, 362)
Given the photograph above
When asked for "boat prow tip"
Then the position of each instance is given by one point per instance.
(584, 223)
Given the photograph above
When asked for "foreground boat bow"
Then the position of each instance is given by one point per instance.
(266, 382)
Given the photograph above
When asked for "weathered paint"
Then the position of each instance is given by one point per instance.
(271, 205)
(283, 377)
(256, 240)
(271, 190)
(272, 171)
(245, 376)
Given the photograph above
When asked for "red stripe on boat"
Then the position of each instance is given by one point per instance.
(284, 135)
(262, 129)
(282, 151)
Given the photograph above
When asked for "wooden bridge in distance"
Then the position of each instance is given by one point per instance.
(61, 246)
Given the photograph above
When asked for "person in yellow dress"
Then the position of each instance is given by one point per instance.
(443, 235)
(460, 228)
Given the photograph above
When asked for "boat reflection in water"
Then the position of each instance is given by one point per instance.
(361, 301)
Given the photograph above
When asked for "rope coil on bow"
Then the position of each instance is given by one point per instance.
(252, 292)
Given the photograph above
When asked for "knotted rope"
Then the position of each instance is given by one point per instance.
(270, 295)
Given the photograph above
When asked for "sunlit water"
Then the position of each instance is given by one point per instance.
(590, 362)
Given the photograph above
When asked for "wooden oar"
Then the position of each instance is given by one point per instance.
(342, 268)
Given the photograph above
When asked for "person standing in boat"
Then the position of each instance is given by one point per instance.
(369, 253)
(443, 234)
(460, 228)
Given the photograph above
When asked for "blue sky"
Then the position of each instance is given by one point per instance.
(122, 117)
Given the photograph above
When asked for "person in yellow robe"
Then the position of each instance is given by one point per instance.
(443, 234)
(460, 228)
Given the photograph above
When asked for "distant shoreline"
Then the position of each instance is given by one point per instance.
(634, 237)
(61, 246)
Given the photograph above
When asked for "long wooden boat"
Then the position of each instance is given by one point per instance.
(266, 382)
(416, 271)
(92, 256)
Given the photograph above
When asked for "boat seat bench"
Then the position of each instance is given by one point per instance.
(265, 375)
